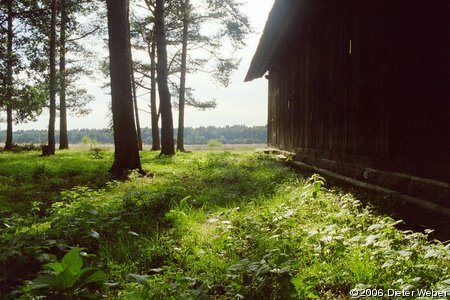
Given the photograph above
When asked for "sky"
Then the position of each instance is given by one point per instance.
(241, 103)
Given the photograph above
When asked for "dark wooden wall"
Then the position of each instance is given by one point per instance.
(383, 102)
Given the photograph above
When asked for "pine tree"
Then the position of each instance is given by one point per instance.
(167, 136)
(126, 155)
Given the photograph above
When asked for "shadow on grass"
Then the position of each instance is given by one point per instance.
(27, 177)
(414, 218)
(148, 224)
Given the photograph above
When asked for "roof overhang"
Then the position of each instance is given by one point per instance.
(277, 26)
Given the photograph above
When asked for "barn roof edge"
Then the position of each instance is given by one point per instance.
(280, 18)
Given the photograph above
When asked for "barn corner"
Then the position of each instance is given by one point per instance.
(361, 89)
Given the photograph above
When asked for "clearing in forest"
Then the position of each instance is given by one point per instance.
(206, 225)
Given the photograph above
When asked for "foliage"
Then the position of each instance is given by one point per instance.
(26, 177)
(21, 93)
(78, 59)
(28, 102)
(316, 182)
(94, 150)
(67, 279)
(209, 225)
(24, 78)
(214, 30)
(25, 147)
(88, 141)
(214, 143)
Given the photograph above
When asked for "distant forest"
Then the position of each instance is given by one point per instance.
(237, 134)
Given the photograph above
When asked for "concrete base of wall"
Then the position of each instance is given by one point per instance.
(430, 206)
(428, 194)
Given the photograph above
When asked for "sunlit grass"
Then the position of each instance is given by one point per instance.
(221, 225)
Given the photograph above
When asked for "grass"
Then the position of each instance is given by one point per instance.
(205, 225)
(27, 177)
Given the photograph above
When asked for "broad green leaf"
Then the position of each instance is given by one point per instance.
(96, 277)
(264, 269)
(375, 227)
(312, 295)
(44, 281)
(235, 268)
(68, 278)
(55, 266)
(432, 253)
(371, 239)
(405, 253)
(388, 263)
(297, 282)
(72, 261)
(156, 270)
(142, 279)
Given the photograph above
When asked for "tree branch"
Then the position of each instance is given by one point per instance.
(84, 35)
(143, 86)
(27, 12)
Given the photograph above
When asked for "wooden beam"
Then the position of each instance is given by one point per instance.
(433, 207)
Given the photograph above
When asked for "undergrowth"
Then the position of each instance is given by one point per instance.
(211, 225)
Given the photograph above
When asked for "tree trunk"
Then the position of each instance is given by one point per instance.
(63, 136)
(9, 80)
(133, 89)
(136, 108)
(126, 155)
(156, 143)
(180, 139)
(9, 128)
(167, 141)
(50, 149)
(136, 113)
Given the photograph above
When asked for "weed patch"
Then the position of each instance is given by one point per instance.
(210, 225)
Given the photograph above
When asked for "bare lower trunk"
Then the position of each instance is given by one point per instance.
(136, 108)
(9, 80)
(126, 155)
(136, 113)
(63, 136)
(156, 142)
(180, 139)
(133, 89)
(9, 129)
(50, 149)
(167, 138)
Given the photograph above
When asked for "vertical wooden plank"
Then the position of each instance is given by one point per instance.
(270, 103)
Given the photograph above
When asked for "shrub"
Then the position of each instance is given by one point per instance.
(67, 279)
(214, 143)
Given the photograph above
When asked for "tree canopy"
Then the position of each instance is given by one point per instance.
(45, 56)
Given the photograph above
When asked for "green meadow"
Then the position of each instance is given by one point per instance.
(203, 225)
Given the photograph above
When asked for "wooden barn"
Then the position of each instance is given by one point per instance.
(361, 90)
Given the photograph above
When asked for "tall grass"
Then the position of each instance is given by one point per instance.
(209, 225)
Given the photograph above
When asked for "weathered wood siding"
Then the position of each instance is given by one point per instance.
(366, 83)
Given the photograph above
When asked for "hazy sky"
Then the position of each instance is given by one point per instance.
(238, 104)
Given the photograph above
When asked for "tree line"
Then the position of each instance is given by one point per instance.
(237, 134)
(39, 67)
(43, 56)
